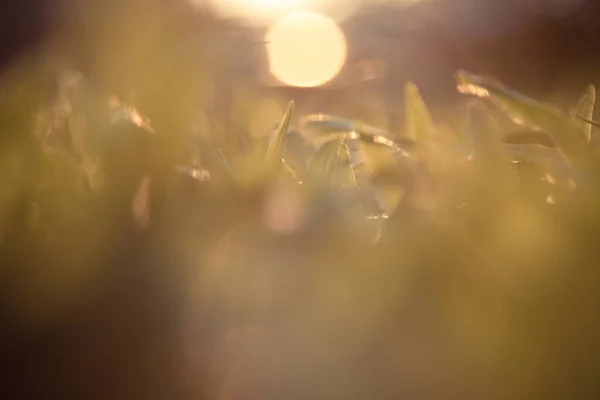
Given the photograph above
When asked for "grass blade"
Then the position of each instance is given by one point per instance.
(525, 111)
(536, 154)
(585, 111)
(488, 150)
(419, 124)
(325, 164)
(322, 128)
(277, 145)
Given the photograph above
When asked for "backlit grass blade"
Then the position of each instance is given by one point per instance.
(361, 201)
(536, 154)
(588, 121)
(255, 166)
(521, 109)
(419, 124)
(528, 112)
(277, 145)
(321, 128)
(448, 146)
(552, 160)
(488, 150)
(331, 159)
(585, 111)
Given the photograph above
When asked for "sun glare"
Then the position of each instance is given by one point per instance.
(305, 49)
(257, 11)
(263, 12)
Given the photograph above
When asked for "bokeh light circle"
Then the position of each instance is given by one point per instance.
(306, 49)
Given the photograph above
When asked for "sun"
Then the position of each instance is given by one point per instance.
(305, 49)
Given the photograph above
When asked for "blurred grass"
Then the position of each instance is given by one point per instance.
(478, 281)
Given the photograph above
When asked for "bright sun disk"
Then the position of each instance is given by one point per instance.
(305, 49)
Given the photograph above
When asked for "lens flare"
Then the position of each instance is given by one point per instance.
(305, 49)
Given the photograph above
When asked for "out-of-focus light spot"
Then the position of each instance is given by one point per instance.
(194, 172)
(123, 112)
(306, 49)
(550, 200)
(353, 136)
(384, 141)
(550, 179)
(467, 88)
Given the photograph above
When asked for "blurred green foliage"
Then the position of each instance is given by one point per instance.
(478, 281)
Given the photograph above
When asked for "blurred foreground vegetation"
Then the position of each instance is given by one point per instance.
(149, 258)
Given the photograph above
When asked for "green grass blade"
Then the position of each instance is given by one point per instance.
(585, 111)
(488, 150)
(448, 144)
(419, 124)
(528, 112)
(521, 109)
(277, 145)
(325, 164)
(536, 153)
(322, 128)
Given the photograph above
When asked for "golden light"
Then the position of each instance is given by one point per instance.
(264, 12)
(305, 49)
(257, 11)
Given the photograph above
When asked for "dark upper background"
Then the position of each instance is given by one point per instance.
(539, 46)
